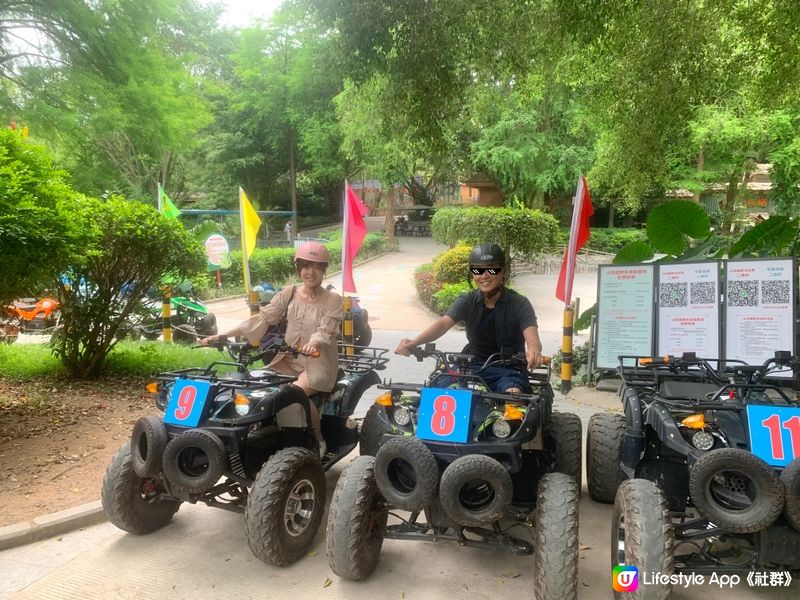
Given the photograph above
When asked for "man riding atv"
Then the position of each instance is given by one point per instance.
(496, 318)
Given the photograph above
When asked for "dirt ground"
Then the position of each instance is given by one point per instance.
(57, 439)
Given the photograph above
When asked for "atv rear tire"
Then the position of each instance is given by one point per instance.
(356, 521)
(208, 325)
(184, 334)
(476, 490)
(134, 504)
(603, 441)
(791, 481)
(566, 432)
(555, 534)
(148, 440)
(362, 333)
(285, 506)
(642, 536)
(370, 434)
(714, 486)
(406, 473)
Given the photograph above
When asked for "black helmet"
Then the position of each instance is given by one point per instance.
(487, 254)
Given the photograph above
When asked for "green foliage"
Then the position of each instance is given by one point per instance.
(451, 266)
(448, 294)
(126, 249)
(777, 236)
(522, 231)
(138, 359)
(580, 362)
(638, 251)
(671, 223)
(611, 239)
(37, 230)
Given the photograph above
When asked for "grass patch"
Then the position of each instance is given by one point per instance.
(127, 359)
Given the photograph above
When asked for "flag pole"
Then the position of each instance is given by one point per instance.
(245, 264)
(569, 312)
(347, 323)
(158, 196)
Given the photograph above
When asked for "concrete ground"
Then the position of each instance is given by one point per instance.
(203, 552)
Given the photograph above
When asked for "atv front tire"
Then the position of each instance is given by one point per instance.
(555, 534)
(566, 432)
(642, 535)
(134, 504)
(603, 442)
(370, 434)
(285, 506)
(356, 521)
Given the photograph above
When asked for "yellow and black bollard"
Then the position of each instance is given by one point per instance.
(166, 317)
(566, 350)
(347, 327)
(252, 301)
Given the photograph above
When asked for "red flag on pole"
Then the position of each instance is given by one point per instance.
(355, 230)
(578, 236)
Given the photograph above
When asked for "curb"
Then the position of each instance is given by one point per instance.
(51, 525)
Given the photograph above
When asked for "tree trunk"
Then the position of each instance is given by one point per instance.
(388, 222)
(293, 184)
(728, 206)
(701, 159)
(611, 215)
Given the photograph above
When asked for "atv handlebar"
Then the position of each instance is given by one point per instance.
(458, 359)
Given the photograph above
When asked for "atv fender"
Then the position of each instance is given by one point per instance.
(354, 389)
(631, 447)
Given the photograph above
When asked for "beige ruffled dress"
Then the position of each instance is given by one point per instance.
(317, 323)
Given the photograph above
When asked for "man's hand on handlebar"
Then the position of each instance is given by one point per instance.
(404, 347)
(534, 358)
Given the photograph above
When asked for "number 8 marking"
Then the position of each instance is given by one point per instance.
(443, 422)
(185, 402)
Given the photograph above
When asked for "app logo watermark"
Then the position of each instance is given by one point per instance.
(625, 578)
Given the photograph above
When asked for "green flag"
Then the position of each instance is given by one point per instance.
(168, 209)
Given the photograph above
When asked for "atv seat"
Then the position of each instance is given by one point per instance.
(689, 390)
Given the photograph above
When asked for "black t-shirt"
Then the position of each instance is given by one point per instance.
(490, 330)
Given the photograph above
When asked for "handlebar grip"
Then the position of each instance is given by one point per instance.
(655, 361)
(546, 360)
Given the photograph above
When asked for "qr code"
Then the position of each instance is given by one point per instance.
(673, 295)
(775, 292)
(743, 293)
(703, 292)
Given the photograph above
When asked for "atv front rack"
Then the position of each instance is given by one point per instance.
(364, 360)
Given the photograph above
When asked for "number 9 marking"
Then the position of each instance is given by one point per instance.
(443, 421)
(185, 403)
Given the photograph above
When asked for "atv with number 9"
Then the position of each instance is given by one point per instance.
(240, 440)
(464, 462)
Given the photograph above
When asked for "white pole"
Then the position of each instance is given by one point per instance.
(345, 228)
(573, 242)
(158, 197)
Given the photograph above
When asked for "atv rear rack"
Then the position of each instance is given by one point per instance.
(364, 360)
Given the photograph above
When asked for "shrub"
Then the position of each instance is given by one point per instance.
(451, 266)
(580, 363)
(426, 285)
(520, 231)
(448, 294)
(613, 240)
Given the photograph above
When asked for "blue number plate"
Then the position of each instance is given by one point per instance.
(444, 415)
(774, 433)
(186, 402)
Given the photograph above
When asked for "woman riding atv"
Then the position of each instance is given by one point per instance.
(313, 316)
(496, 318)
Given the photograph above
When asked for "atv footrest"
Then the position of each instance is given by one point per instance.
(487, 538)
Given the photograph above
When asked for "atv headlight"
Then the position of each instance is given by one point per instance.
(401, 415)
(702, 440)
(501, 428)
(241, 404)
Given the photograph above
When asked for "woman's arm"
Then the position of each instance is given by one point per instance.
(327, 332)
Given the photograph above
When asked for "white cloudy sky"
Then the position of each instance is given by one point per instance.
(239, 13)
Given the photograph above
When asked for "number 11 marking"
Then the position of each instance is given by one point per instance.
(773, 425)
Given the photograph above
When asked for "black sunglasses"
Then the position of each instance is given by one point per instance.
(481, 270)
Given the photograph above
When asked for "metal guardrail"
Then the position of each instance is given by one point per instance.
(586, 262)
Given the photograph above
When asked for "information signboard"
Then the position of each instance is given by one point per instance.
(624, 313)
(759, 309)
(689, 309)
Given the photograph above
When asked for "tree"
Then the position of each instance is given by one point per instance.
(126, 249)
(37, 229)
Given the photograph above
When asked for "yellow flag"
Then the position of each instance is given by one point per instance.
(250, 223)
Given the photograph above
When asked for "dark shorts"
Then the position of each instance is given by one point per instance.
(499, 379)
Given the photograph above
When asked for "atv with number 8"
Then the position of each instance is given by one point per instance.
(703, 467)
(464, 461)
(240, 440)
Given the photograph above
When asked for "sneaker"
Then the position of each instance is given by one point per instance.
(323, 449)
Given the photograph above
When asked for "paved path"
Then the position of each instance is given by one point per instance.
(203, 553)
